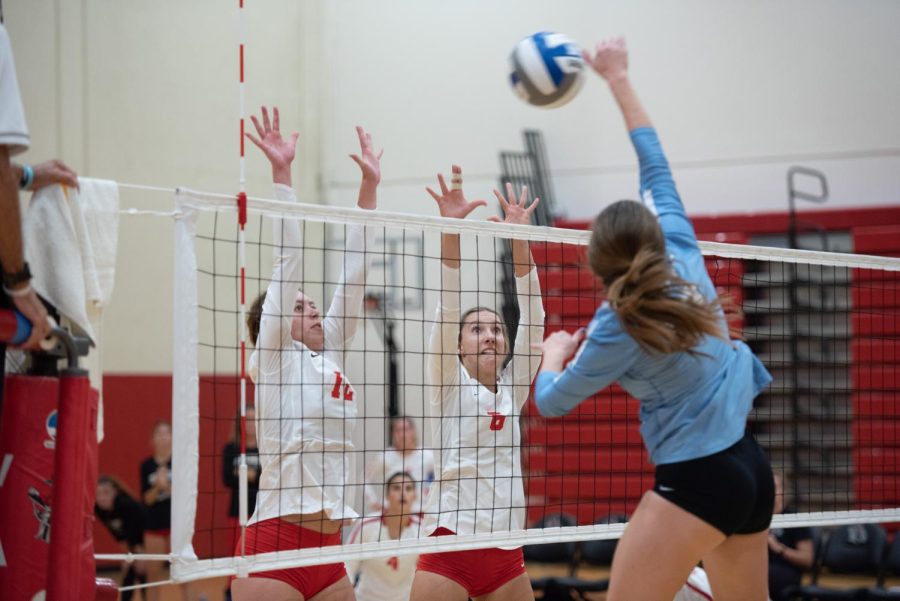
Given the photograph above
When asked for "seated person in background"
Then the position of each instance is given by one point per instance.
(231, 463)
(791, 550)
(404, 455)
(123, 516)
(388, 578)
(156, 491)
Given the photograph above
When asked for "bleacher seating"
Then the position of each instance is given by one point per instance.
(577, 463)
(876, 371)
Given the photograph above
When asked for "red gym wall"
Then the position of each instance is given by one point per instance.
(133, 403)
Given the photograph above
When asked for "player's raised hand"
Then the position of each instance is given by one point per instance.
(516, 211)
(451, 201)
(279, 151)
(368, 160)
(609, 59)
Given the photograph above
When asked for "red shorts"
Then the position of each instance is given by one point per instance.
(479, 571)
(278, 535)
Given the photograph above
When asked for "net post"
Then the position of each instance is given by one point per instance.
(71, 553)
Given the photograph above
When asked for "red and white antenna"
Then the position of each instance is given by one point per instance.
(242, 263)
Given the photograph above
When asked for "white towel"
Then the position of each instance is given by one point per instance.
(96, 217)
(71, 239)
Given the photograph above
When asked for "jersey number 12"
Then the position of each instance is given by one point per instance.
(336, 391)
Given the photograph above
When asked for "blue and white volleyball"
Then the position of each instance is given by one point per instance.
(547, 69)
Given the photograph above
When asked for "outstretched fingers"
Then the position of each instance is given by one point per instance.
(444, 189)
(437, 197)
(474, 205)
(511, 194)
(523, 197)
(259, 130)
(503, 203)
(365, 143)
(256, 141)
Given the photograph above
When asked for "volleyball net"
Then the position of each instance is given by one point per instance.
(824, 324)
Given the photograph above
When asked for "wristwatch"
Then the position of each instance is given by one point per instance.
(11, 280)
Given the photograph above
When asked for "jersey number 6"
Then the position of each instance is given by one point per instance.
(336, 391)
(497, 420)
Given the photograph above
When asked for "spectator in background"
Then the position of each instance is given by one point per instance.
(156, 493)
(231, 462)
(387, 578)
(791, 550)
(403, 455)
(123, 516)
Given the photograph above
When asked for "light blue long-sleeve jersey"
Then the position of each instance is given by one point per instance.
(692, 405)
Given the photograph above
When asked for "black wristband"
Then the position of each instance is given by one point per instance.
(11, 280)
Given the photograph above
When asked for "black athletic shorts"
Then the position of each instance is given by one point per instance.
(732, 490)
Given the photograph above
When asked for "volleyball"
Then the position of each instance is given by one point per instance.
(547, 69)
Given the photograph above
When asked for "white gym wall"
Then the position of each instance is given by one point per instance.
(146, 92)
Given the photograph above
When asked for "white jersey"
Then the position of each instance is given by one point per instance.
(382, 578)
(13, 131)
(305, 406)
(478, 479)
(418, 463)
(696, 588)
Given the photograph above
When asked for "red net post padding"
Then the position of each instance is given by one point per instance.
(28, 433)
(72, 571)
(33, 435)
